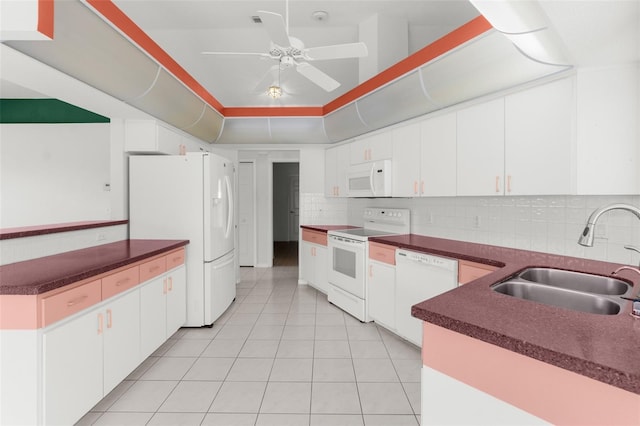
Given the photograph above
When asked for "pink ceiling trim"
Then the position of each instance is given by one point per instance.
(450, 41)
(457, 37)
(45, 17)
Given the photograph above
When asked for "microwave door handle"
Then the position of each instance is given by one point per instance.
(371, 180)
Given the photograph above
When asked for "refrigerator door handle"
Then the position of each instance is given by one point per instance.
(230, 207)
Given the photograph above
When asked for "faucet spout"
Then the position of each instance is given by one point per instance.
(586, 238)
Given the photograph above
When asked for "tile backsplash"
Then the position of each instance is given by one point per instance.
(550, 224)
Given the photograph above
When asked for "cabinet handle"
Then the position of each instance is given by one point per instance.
(421, 187)
(99, 324)
(154, 268)
(122, 281)
(109, 323)
(415, 187)
(509, 183)
(77, 300)
(170, 283)
(497, 184)
(164, 286)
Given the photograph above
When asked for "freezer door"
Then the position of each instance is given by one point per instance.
(219, 287)
(219, 217)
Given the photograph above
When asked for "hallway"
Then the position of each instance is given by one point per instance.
(281, 355)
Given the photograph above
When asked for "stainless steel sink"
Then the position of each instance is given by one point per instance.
(576, 281)
(560, 297)
(577, 291)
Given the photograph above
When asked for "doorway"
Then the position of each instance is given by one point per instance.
(286, 213)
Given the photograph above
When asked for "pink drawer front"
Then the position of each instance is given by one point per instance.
(153, 268)
(469, 271)
(61, 305)
(175, 259)
(314, 237)
(119, 282)
(382, 253)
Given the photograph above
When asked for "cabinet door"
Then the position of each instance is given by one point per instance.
(371, 148)
(153, 315)
(382, 294)
(330, 171)
(307, 262)
(539, 140)
(176, 299)
(121, 338)
(480, 149)
(406, 161)
(321, 269)
(438, 163)
(73, 368)
(342, 163)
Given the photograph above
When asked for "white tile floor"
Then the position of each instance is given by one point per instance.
(281, 355)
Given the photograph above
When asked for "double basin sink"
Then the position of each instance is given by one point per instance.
(577, 291)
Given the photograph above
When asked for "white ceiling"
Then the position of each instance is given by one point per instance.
(186, 28)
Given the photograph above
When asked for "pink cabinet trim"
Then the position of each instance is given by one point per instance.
(66, 303)
(314, 237)
(382, 253)
(469, 271)
(554, 394)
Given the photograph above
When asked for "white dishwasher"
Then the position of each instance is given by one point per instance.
(419, 276)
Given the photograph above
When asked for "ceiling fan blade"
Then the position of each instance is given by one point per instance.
(337, 51)
(318, 77)
(274, 24)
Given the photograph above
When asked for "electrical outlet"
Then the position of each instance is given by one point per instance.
(101, 237)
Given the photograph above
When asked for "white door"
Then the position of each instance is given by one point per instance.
(246, 215)
(218, 207)
(294, 207)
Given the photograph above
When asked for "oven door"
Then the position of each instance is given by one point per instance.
(347, 264)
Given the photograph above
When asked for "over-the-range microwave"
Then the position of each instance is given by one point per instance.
(369, 179)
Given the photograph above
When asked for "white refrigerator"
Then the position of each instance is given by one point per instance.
(189, 197)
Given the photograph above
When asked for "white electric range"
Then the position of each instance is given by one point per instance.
(348, 253)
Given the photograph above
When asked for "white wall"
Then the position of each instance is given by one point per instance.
(52, 173)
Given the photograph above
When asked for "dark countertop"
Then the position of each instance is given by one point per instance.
(30, 231)
(50, 272)
(326, 228)
(602, 347)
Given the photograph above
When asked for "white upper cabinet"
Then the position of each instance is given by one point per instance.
(539, 141)
(608, 132)
(336, 161)
(425, 157)
(406, 161)
(480, 149)
(371, 148)
(438, 163)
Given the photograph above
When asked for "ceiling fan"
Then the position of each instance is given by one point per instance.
(291, 53)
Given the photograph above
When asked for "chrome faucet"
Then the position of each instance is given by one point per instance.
(586, 238)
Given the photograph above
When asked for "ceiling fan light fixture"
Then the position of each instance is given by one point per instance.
(274, 91)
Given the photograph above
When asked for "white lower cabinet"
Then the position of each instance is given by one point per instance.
(382, 293)
(314, 266)
(87, 356)
(162, 309)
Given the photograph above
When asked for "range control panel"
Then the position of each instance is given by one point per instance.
(382, 218)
